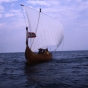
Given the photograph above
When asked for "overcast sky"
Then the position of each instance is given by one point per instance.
(72, 14)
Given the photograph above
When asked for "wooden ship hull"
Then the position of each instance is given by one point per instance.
(45, 34)
(34, 58)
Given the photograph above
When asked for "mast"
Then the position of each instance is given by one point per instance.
(40, 10)
(26, 36)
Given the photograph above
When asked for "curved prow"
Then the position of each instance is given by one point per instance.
(28, 54)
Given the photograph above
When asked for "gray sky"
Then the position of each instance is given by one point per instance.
(72, 14)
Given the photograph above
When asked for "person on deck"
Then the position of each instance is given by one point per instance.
(41, 51)
(46, 51)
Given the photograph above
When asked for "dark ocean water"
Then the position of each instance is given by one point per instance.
(65, 70)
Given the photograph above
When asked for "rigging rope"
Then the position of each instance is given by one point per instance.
(63, 44)
(39, 40)
(37, 25)
(24, 16)
(50, 32)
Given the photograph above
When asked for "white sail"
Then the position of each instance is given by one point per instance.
(47, 29)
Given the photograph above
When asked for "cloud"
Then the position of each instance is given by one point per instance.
(12, 36)
(1, 8)
(60, 9)
(9, 15)
(2, 24)
(12, 5)
(0, 15)
(1, 1)
(37, 2)
(13, 13)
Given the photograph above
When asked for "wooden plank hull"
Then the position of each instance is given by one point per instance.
(33, 58)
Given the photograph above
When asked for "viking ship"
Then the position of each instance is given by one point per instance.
(44, 31)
